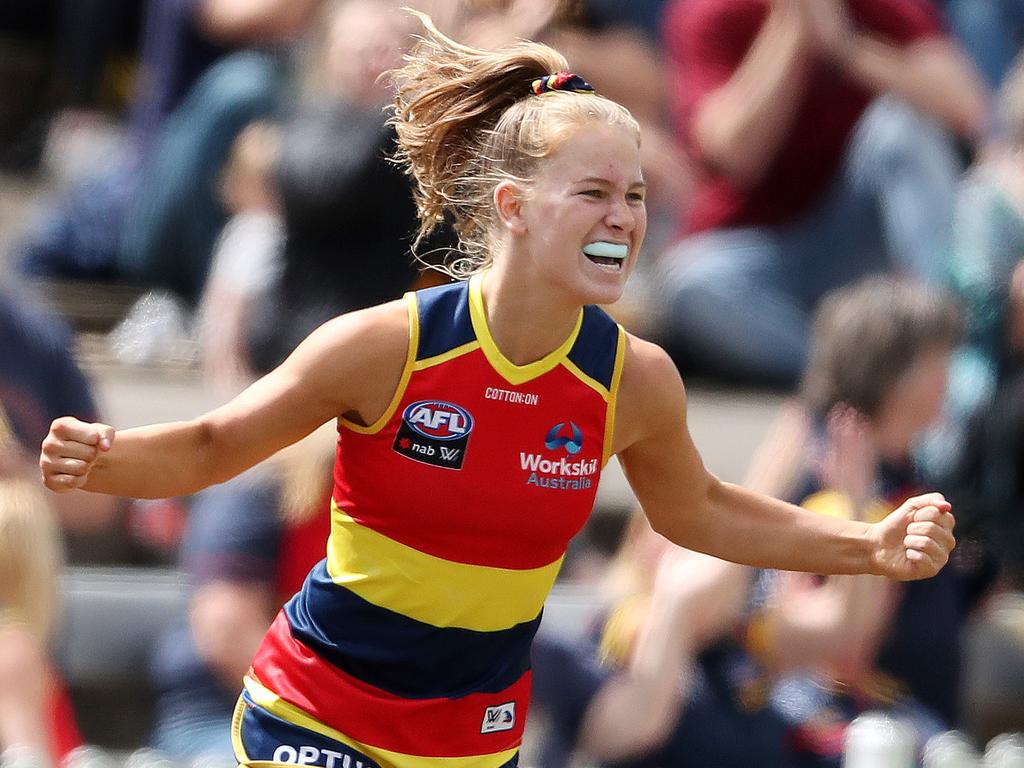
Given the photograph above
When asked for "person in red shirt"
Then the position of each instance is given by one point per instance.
(823, 133)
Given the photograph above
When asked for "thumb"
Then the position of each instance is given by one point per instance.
(105, 437)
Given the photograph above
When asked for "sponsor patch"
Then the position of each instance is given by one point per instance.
(565, 471)
(434, 432)
(499, 718)
(570, 439)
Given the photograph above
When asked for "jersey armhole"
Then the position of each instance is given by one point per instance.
(613, 395)
(403, 382)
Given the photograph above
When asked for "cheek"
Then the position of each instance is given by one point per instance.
(932, 398)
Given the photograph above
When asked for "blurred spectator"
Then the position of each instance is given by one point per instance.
(150, 214)
(91, 35)
(348, 211)
(990, 31)
(36, 719)
(645, 15)
(249, 545)
(247, 257)
(26, 69)
(822, 128)
(669, 684)
(875, 382)
(39, 381)
(981, 439)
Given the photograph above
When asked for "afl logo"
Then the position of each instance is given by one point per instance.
(438, 420)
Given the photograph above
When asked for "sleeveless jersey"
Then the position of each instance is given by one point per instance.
(450, 517)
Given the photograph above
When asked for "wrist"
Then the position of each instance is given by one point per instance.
(872, 555)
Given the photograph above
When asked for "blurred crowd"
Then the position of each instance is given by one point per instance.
(837, 213)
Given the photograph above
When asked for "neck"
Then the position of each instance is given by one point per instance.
(526, 319)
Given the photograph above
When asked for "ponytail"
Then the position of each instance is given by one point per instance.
(467, 119)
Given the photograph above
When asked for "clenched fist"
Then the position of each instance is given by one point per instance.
(914, 541)
(70, 451)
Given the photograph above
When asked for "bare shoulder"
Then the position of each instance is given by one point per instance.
(353, 363)
(379, 333)
(651, 392)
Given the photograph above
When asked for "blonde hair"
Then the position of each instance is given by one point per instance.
(467, 120)
(304, 472)
(30, 554)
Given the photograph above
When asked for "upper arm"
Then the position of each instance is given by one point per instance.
(705, 45)
(350, 365)
(653, 441)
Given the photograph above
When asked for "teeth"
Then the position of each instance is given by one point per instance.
(606, 250)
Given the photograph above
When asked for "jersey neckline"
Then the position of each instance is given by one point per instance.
(512, 373)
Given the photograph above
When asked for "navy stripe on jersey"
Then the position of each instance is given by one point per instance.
(400, 655)
(444, 319)
(595, 347)
(264, 734)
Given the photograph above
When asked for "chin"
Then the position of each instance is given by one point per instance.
(592, 293)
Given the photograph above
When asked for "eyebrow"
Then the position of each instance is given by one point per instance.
(601, 180)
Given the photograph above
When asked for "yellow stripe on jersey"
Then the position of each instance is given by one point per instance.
(430, 589)
(274, 704)
(512, 373)
(444, 357)
(613, 397)
(591, 382)
(410, 358)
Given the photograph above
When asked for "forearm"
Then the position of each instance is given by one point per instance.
(636, 709)
(933, 76)
(742, 526)
(160, 461)
(740, 127)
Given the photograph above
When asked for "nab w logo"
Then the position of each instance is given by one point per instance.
(438, 420)
(434, 432)
(499, 718)
(556, 438)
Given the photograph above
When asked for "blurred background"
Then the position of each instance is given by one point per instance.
(189, 187)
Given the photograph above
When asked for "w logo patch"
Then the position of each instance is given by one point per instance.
(499, 718)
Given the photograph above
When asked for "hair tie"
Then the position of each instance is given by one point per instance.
(561, 81)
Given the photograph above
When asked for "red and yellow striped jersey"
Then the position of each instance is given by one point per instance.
(449, 521)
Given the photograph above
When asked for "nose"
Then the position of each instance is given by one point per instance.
(620, 216)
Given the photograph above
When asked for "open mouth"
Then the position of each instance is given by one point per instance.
(606, 254)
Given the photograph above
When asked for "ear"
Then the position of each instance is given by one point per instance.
(508, 202)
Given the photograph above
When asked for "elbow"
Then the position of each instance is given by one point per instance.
(209, 465)
(684, 522)
(723, 147)
(724, 157)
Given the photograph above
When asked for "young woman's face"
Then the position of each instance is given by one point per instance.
(589, 191)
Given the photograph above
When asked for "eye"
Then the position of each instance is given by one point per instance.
(636, 197)
(597, 194)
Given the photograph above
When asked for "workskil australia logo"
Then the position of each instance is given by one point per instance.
(563, 472)
(434, 432)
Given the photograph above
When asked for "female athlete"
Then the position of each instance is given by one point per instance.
(474, 419)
